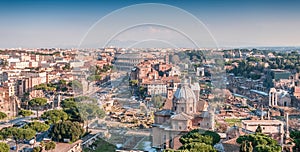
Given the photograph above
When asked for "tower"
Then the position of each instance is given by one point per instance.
(170, 88)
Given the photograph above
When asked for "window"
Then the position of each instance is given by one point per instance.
(182, 109)
(191, 108)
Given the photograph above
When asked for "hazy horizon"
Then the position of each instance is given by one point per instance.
(63, 23)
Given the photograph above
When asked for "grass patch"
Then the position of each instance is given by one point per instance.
(233, 121)
(101, 146)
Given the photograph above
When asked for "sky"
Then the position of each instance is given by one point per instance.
(230, 23)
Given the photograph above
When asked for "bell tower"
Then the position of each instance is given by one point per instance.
(170, 88)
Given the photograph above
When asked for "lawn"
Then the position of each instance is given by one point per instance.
(233, 121)
(101, 146)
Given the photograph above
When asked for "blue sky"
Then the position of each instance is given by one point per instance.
(63, 23)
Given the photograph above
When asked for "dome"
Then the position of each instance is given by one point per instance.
(184, 92)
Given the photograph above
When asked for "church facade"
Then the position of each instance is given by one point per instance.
(183, 112)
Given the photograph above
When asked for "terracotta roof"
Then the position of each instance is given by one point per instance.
(177, 143)
(231, 145)
(174, 78)
(65, 147)
(297, 89)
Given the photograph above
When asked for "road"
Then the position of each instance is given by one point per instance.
(16, 120)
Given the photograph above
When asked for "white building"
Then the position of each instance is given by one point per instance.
(200, 71)
(279, 97)
(267, 126)
(157, 88)
(276, 129)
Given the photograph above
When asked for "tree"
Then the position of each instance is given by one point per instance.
(268, 82)
(18, 134)
(4, 147)
(158, 101)
(50, 146)
(77, 85)
(62, 82)
(246, 146)
(89, 111)
(55, 116)
(45, 87)
(258, 129)
(37, 149)
(67, 130)
(94, 78)
(142, 91)
(70, 107)
(261, 142)
(67, 66)
(195, 136)
(295, 135)
(37, 126)
(37, 102)
(68, 103)
(215, 136)
(133, 82)
(194, 141)
(61, 85)
(25, 113)
(197, 147)
(2, 115)
(267, 148)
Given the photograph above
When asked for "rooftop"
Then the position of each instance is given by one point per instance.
(262, 122)
(181, 116)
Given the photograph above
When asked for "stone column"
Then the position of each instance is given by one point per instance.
(276, 99)
(287, 133)
(270, 99)
(273, 99)
(281, 134)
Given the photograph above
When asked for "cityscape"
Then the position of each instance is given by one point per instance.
(147, 84)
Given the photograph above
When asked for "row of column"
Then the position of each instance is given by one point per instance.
(273, 99)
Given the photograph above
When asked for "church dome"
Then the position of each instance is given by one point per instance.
(184, 92)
